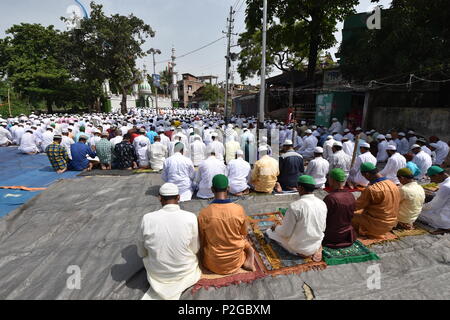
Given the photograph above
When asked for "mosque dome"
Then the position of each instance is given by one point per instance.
(145, 88)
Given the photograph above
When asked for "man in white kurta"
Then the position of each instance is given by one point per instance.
(309, 144)
(180, 171)
(365, 156)
(206, 172)
(168, 243)
(141, 144)
(5, 136)
(239, 172)
(441, 149)
(157, 153)
(395, 162)
(348, 146)
(336, 126)
(28, 143)
(217, 146)
(422, 160)
(318, 168)
(303, 226)
(47, 138)
(382, 155)
(339, 159)
(66, 142)
(437, 212)
(327, 147)
(198, 150)
(402, 144)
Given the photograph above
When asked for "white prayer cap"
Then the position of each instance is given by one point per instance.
(358, 129)
(4, 124)
(314, 127)
(214, 134)
(401, 134)
(65, 131)
(168, 189)
(391, 147)
(334, 119)
(389, 136)
(434, 145)
(365, 145)
(210, 149)
(381, 137)
(262, 149)
(337, 144)
(318, 150)
(303, 122)
(316, 134)
(264, 139)
(49, 127)
(308, 131)
(368, 132)
(411, 132)
(329, 137)
(346, 130)
(239, 152)
(230, 126)
(288, 143)
(414, 146)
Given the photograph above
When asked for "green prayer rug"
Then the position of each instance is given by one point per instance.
(357, 252)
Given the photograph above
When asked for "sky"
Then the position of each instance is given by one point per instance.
(185, 25)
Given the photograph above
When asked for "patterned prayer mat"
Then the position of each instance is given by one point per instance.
(387, 237)
(271, 257)
(210, 279)
(357, 252)
(417, 231)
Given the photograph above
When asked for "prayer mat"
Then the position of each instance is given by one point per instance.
(417, 231)
(210, 279)
(284, 192)
(387, 237)
(23, 188)
(357, 252)
(272, 258)
(145, 171)
(430, 229)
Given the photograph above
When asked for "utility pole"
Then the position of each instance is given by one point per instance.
(228, 58)
(9, 103)
(155, 51)
(262, 93)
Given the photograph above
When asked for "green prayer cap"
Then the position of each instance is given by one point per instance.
(367, 166)
(178, 147)
(305, 179)
(434, 170)
(220, 181)
(405, 172)
(338, 175)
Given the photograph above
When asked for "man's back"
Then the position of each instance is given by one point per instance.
(238, 173)
(206, 171)
(222, 226)
(291, 166)
(265, 173)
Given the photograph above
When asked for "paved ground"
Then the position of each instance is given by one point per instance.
(92, 222)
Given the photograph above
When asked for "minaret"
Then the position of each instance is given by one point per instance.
(174, 85)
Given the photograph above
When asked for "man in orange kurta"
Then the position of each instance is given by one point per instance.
(378, 205)
(223, 230)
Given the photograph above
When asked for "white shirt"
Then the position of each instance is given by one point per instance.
(355, 172)
(382, 154)
(318, 169)
(28, 143)
(5, 136)
(342, 161)
(141, 144)
(441, 152)
(165, 140)
(198, 152)
(403, 146)
(205, 174)
(219, 149)
(168, 242)
(239, 172)
(47, 139)
(348, 147)
(116, 140)
(335, 127)
(157, 153)
(309, 144)
(327, 148)
(437, 212)
(424, 162)
(394, 163)
(179, 170)
(230, 150)
(66, 142)
(303, 227)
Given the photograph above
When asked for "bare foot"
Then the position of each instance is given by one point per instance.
(249, 263)
(317, 257)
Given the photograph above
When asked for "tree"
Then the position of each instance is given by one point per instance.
(298, 30)
(107, 48)
(31, 58)
(414, 38)
(209, 93)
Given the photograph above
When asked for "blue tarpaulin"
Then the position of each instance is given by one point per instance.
(33, 171)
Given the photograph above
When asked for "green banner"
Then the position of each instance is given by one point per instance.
(324, 104)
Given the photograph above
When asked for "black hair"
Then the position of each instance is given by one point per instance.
(337, 147)
(126, 136)
(374, 171)
(168, 198)
(308, 187)
(219, 190)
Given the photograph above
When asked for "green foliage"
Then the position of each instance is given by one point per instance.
(414, 38)
(298, 30)
(210, 93)
(107, 48)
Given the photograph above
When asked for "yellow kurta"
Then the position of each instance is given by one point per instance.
(377, 209)
(411, 202)
(265, 174)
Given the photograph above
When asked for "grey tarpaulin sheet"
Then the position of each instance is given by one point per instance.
(92, 222)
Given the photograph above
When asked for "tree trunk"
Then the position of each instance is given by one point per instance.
(313, 46)
(49, 106)
(123, 104)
